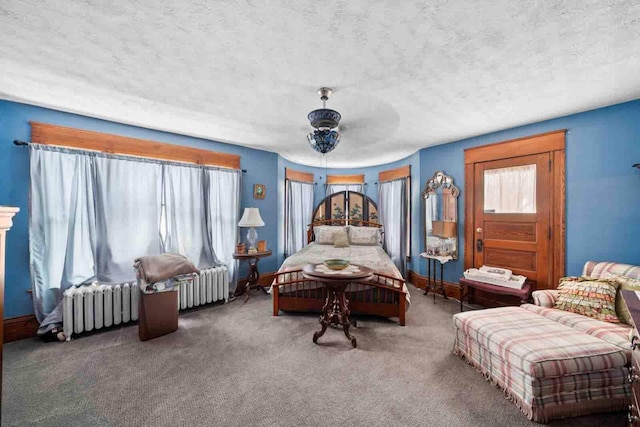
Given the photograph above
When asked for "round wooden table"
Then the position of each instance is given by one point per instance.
(336, 307)
(254, 274)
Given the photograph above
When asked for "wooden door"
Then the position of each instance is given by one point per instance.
(512, 216)
(528, 239)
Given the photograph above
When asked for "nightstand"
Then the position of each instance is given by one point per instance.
(254, 274)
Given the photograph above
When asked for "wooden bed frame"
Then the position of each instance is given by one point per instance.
(382, 295)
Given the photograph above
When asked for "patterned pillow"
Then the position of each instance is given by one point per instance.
(341, 239)
(589, 297)
(324, 233)
(628, 284)
(366, 236)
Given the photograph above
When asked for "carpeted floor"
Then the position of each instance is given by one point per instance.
(236, 365)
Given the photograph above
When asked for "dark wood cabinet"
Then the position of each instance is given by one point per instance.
(633, 304)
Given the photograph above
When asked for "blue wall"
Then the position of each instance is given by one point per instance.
(603, 190)
(371, 190)
(14, 185)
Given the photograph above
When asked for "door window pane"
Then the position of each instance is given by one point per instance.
(510, 190)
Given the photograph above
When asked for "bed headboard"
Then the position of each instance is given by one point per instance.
(355, 222)
(344, 208)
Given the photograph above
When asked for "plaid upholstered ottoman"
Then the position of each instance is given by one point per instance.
(549, 369)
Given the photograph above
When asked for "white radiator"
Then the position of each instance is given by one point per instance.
(86, 308)
(99, 306)
(210, 285)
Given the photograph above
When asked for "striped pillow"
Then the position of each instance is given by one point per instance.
(589, 297)
(627, 284)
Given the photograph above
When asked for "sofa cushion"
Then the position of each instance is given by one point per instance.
(545, 298)
(625, 283)
(591, 298)
(613, 333)
(601, 269)
(540, 347)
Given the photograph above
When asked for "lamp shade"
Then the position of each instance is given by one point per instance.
(444, 229)
(251, 218)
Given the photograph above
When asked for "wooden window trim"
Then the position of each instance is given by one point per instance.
(345, 179)
(48, 134)
(536, 144)
(390, 175)
(551, 142)
(294, 175)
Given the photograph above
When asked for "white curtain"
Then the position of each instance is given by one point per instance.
(128, 205)
(186, 215)
(222, 198)
(62, 229)
(510, 190)
(298, 212)
(392, 209)
(336, 188)
(92, 214)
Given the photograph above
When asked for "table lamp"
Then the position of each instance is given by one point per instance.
(251, 218)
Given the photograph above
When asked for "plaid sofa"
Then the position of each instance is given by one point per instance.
(551, 363)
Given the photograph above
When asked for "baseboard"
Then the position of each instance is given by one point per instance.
(19, 328)
(419, 281)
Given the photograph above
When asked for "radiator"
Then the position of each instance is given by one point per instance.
(209, 286)
(96, 306)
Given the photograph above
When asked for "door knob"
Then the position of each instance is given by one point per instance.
(478, 230)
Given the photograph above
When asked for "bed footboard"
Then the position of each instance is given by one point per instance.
(380, 295)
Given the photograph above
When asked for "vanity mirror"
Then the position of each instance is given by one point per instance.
(440, 197)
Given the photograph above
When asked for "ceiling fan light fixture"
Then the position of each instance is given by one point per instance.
(324, 118)
(324, 138)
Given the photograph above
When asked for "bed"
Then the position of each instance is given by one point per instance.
(385, 294)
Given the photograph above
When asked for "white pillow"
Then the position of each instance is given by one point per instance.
(324, 233)
(366, 236)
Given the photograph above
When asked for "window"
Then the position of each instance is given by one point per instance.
(299, 190)
(510, 190)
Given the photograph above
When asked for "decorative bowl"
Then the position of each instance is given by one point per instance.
(336, 264)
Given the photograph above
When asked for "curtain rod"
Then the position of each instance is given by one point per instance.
(21, 143)
(347, 183)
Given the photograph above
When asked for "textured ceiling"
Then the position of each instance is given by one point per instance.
(405, 74)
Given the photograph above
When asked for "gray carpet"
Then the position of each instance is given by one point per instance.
(236, 365)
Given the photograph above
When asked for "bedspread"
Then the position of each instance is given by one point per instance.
(373, 257)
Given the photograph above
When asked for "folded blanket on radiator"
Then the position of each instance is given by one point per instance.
(157, 268)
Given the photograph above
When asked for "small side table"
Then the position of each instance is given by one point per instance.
(524, 293)
(336, 307)
(432, 279)
(254, 274)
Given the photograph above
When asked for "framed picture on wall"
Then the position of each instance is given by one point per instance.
(258, 191)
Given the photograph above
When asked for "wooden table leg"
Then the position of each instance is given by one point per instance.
(252, 279)
(444, 293)
(428, 284)
(435, 278)
(325, 317)
(336, 312)
(344, 317)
